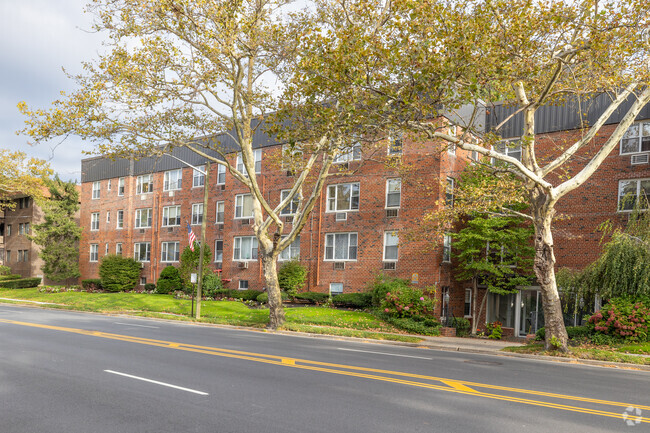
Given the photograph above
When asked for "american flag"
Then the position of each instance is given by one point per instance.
(191, 236)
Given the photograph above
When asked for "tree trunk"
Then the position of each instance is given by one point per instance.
(556, 335)
(276, 312)
(480, 311)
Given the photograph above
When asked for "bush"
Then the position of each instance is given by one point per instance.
(264, 297)
(211, 284)
(540, 335)
(414, 325)
(91, 284)
(462, 326)
(10, 277)
(408, 302)
(169, 280)
(578, 332)
(292, 276)
(4, 270)
(383, 285)
(314, 297)
(246, 295)
(22, 283)
(495, 330)
(149, 287)
(119, 273)
(623, 318)
(223, 293)
(353, 300)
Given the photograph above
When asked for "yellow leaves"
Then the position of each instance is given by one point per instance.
(22, 175)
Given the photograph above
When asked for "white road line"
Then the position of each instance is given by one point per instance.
(156, 382)
(383, 353)
(131, 324)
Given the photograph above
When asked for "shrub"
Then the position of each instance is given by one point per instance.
(4, 270)
(246, 295)
(540, 335)
(462, 326)
(264, 297)
(353, 300)
(495, 330)
(10, 277)
(22, 283)
(119, 273)
(292, 276)
(222, 293)
(383, 285)
(314, 297)
(578, 332)
(169, 280)
(91, 284)
(408, 302)
(414, 325)
(211, 284)
(623, 318)
(150, 287)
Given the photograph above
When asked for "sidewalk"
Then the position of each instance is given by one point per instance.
(477, 345)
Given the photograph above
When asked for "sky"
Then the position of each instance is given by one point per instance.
(37, 39)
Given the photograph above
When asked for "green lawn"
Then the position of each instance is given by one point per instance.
(589, 352)
(304, 319)
(641, 348)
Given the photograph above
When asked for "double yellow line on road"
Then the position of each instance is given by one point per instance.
(403, 378)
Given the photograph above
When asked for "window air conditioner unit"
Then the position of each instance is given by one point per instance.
(242, 265)
(392, 213)
(246, 222)
(341, 216)
(221, 187)
(390, 266)
(640, 158)
(141, 265)
(339, 266)
(219, 226)
(288, 219)
(170, 229)
(141, 230)
(171, 193)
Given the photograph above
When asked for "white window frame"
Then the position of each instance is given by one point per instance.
(166, 216)
(165, 251)
(291, 208)
(392, 236)
(137, 250)
(108, 217)
(198, 178)
(332, 201)
(450, 195)
(173, 180)
(398, 192)
(237, 255)
(218, 253)
(451, 147)
(118, 249)
(508, 149)
(243, 285)
(119, 219)
(121, 186)
(349, 154)
(336, 292)
(636, 195)
(108, 187)
(395, 143)
(94, 253)
(221, 174)
(94, 222)
(142, 181)
(97, 188)
(197, 214)
(220, 212)
(643, 125)
(257, 154)
(330, 245)
(446, 248)
(469, 291)
(138, 218)
(291, 252)
(240, 200)
(106, 249)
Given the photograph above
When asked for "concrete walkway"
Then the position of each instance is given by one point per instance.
(478, 345)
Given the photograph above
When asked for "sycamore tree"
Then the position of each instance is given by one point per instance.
(390, 59)
(20, 174)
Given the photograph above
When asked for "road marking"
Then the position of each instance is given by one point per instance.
(131, 324)
(448, 385)
(383, 353)
(169, 385)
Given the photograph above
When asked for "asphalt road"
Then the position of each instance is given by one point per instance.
(73, 372)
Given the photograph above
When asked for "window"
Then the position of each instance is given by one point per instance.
(108, 217)
(468, 303)
(449, 192)
(143, 218)
(510, 147)
(197, 213)
(21, 229)
(170, 252)
(106, 249)
(343, 197)
(218, 250)
(393, 193)
(391, 240)
(244, 206)
(143, 281)
(631, 192)
(20, 256)
(245, 248)
(636, 138)
(292, 207)
(220, 218)
(25, 229)
(351, 153)
(292, 251)
(243, 284)
(8, 256)
(336, 288)
(23, 202)
(142, 251)
(120, 219)
(108, 188)
(221, 174)
(396, 142)
(451, 147)
(171, 216)
(198, 178)
(118, 248)
(94, 221)
(291, 157)
(144, 184)
(258, 162)
(173, 180)
(446, 249)
(120, 185)
(96, 190)
(94, 252)
(9, 230)
(341, 246)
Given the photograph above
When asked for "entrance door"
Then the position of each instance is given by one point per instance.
(530, 312)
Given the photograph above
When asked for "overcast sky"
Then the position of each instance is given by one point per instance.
(37, 39)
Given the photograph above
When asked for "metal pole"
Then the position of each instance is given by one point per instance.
(202, 247)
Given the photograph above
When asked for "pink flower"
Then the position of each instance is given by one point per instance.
(386, 310)
(406, 308)
(421, 298)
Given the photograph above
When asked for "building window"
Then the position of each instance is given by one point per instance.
(23, 228)
(468, 303)
(120, 185)
(120, 219)
(636, 138)
(245, 248)
(449, 192)
(221, 174)
(96, 190)
(118, 248)
(23, 202)
(446, 249)
(173, 180)
(510, 148)
(391, 239)
(171, 216)
(292, 207)
(8, 230)
(343, 197)
(110, 183)
(258, 162)
(395, 143)
(341, 246)
(143, 218)
(220, 218)
(106, 249)
(243, 285)
(197, 213)
(143, 281)
(336, 288)
(170, 252)
(292, 252)
(108, 217)
(94, 252)
(8, 256)
(244, 206)
(142, 251)
(20, 256)
(144, 184)
(393, 193)
(198, 178)
(94, 221)
(351, 153)
(218, 251)
(632, 192)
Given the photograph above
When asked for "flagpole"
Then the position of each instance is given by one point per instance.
(202, 247)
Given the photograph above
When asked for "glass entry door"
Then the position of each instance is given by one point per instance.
(531, 315)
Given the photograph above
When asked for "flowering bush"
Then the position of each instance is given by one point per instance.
(623, 318)
(495, 330)
(408, 302)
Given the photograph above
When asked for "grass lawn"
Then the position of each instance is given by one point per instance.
(604, 353)
(304, 319)
(641, 348)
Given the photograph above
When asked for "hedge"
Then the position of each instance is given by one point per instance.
(22, 283)
(314, 297)
(10, 277)
(353, 300)
(92, 284)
